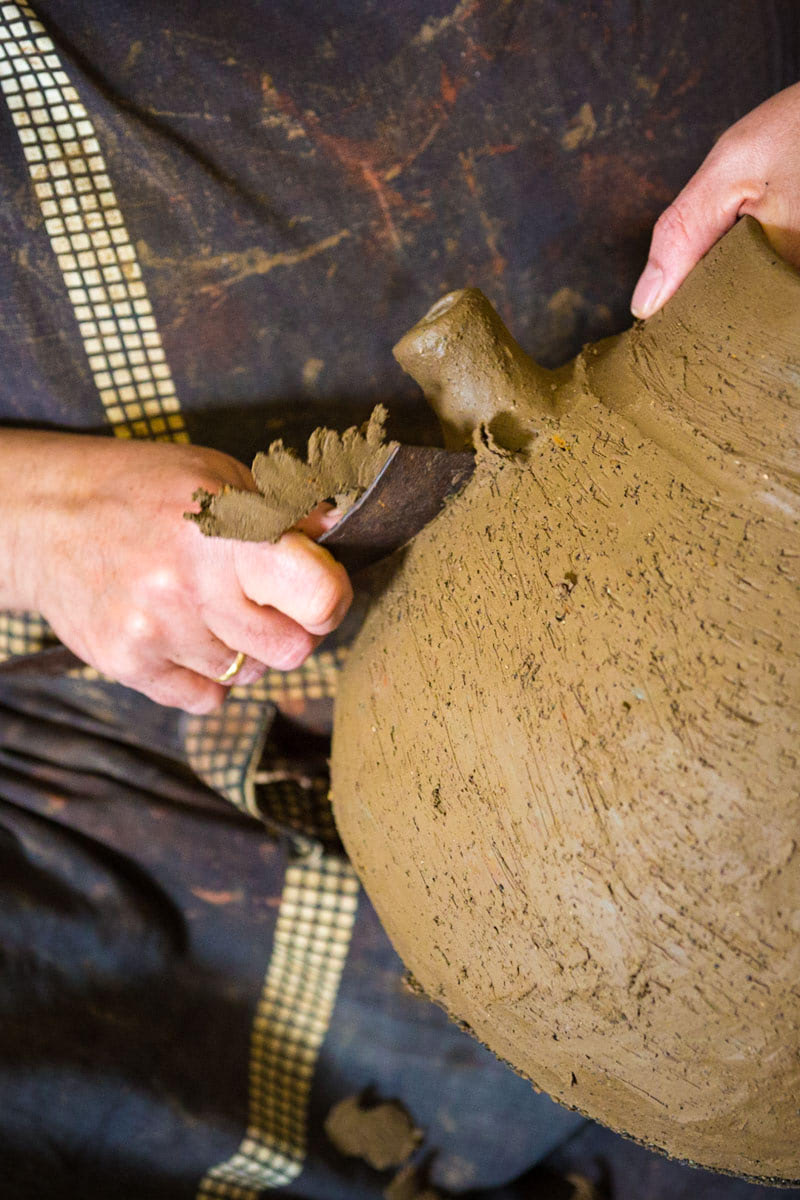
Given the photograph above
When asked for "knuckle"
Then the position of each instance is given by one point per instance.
(204, 480)
(192, 697)
(137, 629)
(291, 651)
(327, 598)
(121, 665)
(161, 584)
(201, 705)
(673, 224)
(735, 142)
(212, 469)
(124, 664)
(132, 646)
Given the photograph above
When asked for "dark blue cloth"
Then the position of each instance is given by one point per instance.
(301, 181)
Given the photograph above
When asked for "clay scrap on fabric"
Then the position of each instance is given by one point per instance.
(382, 1133)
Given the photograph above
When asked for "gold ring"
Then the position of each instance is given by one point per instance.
(233, 669)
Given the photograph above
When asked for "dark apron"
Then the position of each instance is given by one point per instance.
(189, 984)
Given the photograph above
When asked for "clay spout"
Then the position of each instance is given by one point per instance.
(473, 372)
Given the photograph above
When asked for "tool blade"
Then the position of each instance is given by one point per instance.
(407, 493)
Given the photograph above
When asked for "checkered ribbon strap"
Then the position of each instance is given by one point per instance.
(94, 253)
(315, 921)
(115, 321)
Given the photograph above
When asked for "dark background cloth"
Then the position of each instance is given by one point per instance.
(137, 914)
(301, 182)
(137, 911)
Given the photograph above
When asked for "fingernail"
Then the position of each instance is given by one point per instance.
(331, 518)
(644, 301)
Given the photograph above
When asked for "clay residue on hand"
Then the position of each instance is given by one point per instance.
(338, 468)
(383, 1134)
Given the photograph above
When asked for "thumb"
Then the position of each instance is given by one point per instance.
(319, 521)
(683, 233)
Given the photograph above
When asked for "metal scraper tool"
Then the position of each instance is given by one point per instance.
(408, 492)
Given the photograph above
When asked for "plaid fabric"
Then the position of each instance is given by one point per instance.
(224, 749)
(23, 633)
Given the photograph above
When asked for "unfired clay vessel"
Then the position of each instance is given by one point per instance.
(565, 760)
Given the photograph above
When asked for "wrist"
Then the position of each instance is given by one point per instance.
(35, 474)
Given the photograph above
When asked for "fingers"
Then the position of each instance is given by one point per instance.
(288, 597)
(141, 662)
(753, 169)
(183, 633)
(706, 209)
(213, 658)
(209, 646)
(269, 638)
(189, 676)
(187, 671)
(177, 687)
(173, 663)
(298, 578)
(323, 518)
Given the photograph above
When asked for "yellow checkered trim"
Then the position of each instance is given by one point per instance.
(315, 680)
(104, 282)
(315, 922)
(87, 232)
(94, 252)
(23, 633)
(224, 749)
(301, 805)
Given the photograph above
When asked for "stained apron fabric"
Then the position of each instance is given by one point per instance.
(215, 221)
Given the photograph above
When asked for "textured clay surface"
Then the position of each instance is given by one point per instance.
(565, 759)
(339, 467)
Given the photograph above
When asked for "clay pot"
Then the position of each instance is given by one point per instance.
(565, 761)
